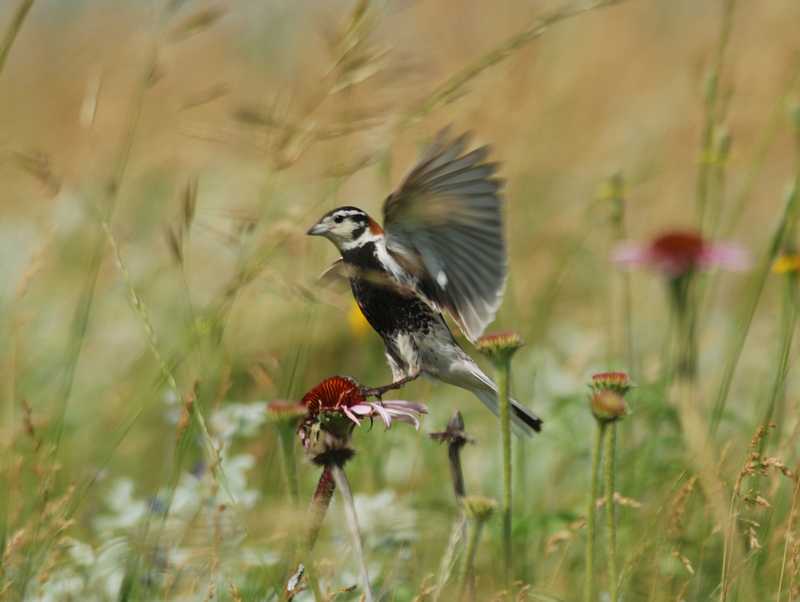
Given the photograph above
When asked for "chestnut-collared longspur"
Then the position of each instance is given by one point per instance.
(441, 249)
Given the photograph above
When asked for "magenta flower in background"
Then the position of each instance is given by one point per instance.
(676, 253)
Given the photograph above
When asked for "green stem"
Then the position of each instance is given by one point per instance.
(712, 111)
(289, 466)
(684, 305)
(13, 30)
(352, 521)
(616, 186)
(777, 392)
(469, 560)
(502, 369)
(591, 512)
(609, 470)
(316, 515)
(755, 286)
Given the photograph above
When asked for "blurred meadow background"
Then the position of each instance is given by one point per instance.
(160, 164)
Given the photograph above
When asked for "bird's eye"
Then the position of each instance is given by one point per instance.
(339, 219)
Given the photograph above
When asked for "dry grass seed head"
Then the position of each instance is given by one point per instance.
(750, 468)
(234, 591)
(424, 589)
(754, 545)
(342, 590)
(27, 422)
(626, 501)
(212, 586)
(555, 539)
(187, 408)
(677, 509)
(684, 561)
(762, 430)
(757, 499)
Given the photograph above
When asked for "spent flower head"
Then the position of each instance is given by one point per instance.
(618, 382)
(478, 507)
(337, 405)
(454, 434)
(680, 252)
(607, 405)
(499, 346)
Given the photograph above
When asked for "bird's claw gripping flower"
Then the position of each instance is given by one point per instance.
(337, 405)
(618, 382)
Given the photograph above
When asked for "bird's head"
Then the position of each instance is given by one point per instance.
(347, 228)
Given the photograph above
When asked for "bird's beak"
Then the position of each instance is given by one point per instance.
(319, 228)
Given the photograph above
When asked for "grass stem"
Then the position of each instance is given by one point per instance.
(352, 522)
(591, 511)
(505, 425)
(609, 475)
(13, 29)
(756, 287)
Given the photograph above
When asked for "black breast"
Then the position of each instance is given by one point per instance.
(384, 305)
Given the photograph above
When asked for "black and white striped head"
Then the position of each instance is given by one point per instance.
(347, 228)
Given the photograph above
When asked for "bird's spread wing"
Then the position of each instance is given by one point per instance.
(444, 225)
(339, 273)
(336, 272)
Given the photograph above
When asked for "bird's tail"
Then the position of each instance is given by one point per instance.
(523, 420)
(466, 374)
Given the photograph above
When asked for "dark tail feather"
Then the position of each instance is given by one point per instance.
(526, 416)
(523, 420)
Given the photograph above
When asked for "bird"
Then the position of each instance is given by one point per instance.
(441, 249)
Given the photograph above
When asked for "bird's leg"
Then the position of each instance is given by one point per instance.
(379, 391)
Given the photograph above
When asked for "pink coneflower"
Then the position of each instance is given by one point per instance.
(677, 253)
(342, 397)
(618, 382)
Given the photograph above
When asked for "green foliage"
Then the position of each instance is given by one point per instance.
(159, 169)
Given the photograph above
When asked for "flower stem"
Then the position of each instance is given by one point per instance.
(684, 305)
(505, 424)
(316, 515)
(591, 512)
(609, 474)
(469, 560)
(456, 424)
(352, 520)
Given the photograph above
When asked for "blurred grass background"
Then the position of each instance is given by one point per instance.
(246, 100)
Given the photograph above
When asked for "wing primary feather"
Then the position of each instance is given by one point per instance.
(446, 225)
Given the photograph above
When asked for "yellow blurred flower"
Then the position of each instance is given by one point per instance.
(358, 323)
(786, 264)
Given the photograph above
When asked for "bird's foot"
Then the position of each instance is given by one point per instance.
(379, 391)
